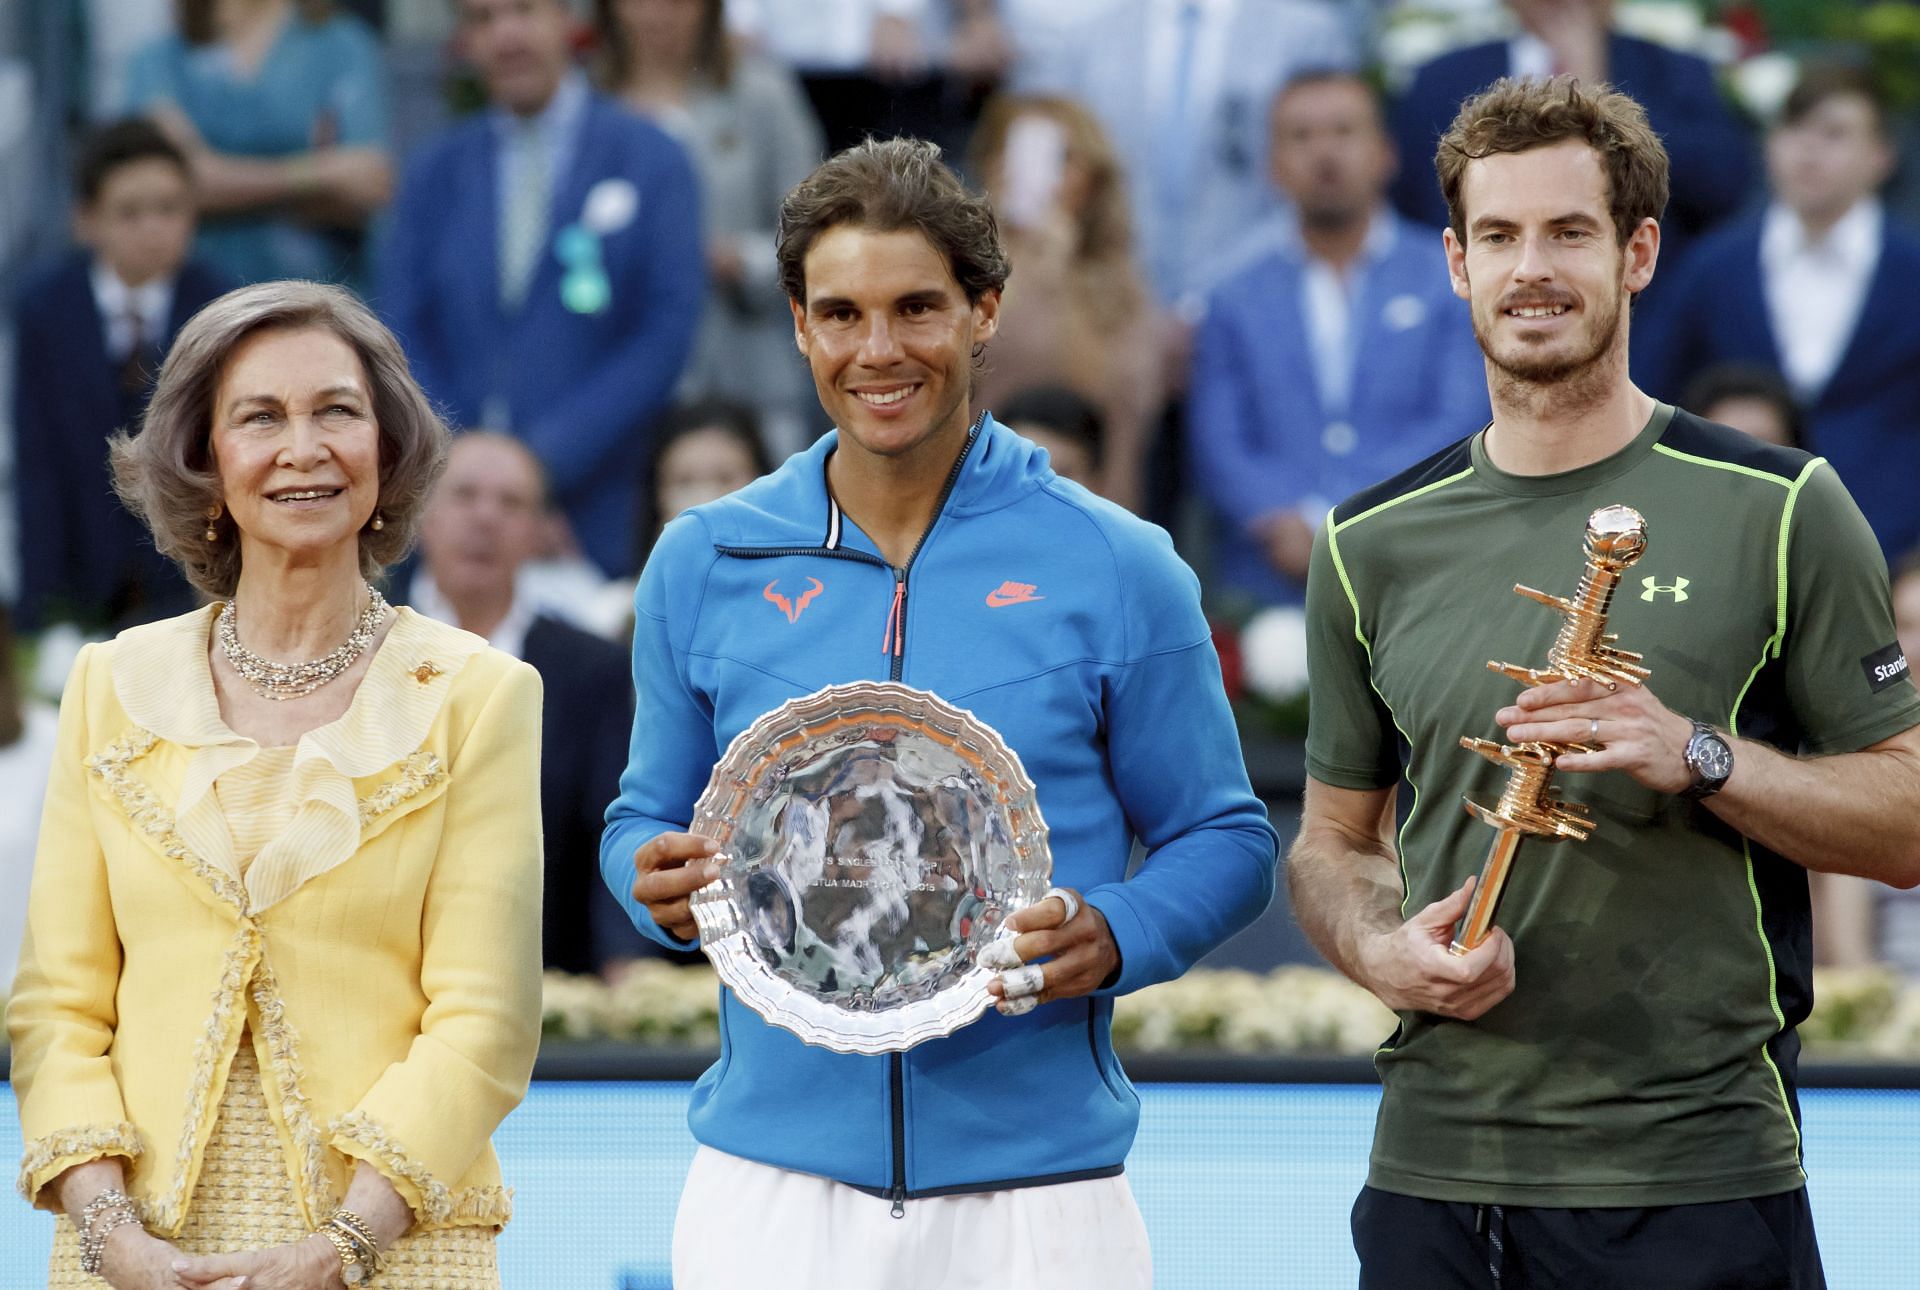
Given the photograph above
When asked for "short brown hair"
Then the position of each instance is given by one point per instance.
(1825, 81)
(888, 186)
(167, 476)
(1521, 115)
(122, 143)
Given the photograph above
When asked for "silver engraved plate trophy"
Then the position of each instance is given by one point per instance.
(873, 839)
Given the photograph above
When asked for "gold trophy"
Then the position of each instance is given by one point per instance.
(1616, 537)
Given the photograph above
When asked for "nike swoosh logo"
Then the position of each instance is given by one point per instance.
(1011, 593)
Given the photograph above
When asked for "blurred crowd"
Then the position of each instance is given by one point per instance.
(1229, 307)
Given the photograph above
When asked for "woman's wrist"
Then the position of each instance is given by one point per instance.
(356, 1250)
(327, 1261)
(120, 1254)
(109, 1213)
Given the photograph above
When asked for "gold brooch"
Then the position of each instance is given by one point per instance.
(425, 672)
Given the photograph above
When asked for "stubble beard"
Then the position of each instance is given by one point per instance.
(1575, 380)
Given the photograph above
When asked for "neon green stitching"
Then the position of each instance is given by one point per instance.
(1786, 525)
(1771, 649)
(1339, 566)
(1721, 465)
(1395, 501)
(1346, 585)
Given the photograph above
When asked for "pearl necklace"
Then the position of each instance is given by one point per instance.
(281, 681)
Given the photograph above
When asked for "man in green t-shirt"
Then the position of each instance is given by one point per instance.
(1602, 1093)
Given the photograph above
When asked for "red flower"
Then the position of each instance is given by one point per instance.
(1226, 643)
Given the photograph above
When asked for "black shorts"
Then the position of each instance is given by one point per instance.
(1765, 1243)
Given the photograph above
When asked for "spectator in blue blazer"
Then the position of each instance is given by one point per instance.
(544, 268)
(1818, 287)
(90, 332)
(1336, 357)
(1711, 150)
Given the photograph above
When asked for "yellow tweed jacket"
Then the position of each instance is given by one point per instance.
(383, 952)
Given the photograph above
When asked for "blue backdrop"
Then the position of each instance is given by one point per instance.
(1243, 1185)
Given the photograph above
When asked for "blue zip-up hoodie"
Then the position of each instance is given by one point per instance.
(1075, 631)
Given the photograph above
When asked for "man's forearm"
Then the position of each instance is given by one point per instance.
(1854, 813)
(1342, 893)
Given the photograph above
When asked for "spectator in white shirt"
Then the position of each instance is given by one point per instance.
(1818, 287)
(1820, 241)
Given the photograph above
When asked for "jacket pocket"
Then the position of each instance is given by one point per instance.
(1100, 1046)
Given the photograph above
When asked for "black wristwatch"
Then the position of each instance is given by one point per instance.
(1710, 757)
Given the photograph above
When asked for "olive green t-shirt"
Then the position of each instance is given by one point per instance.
(1647, 1053)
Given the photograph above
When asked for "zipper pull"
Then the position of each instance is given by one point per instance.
(895, 638)
(899, 1200)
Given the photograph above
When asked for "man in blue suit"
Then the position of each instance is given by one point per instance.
(544, 268)
(1182, 88)
(1819, 287)
(1334, 359)
(91, 331)
(1711, 152)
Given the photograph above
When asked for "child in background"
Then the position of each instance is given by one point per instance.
(91, 331)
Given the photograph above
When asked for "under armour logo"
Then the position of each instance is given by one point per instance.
(1677, 588)
(793, 608)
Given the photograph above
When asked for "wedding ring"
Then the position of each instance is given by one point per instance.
(1593, 730)
(1067, 898)
(1000, 955)
(1022, 981)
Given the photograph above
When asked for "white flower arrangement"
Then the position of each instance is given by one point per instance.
(1870, 1013)
(653, 1002)
(1288, 1010)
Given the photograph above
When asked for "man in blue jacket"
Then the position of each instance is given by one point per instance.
(942, 552)
(1815, 286)
(1336, 357)
(543, 268)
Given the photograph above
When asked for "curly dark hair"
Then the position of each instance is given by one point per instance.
(1521, 115)
(888, 185)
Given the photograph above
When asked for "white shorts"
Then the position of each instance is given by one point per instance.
(748, 1226)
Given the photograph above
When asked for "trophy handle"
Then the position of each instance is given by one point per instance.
(1477, 923)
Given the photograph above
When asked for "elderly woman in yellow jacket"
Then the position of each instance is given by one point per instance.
(281, 972)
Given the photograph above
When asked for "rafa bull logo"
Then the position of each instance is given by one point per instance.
(793, 608)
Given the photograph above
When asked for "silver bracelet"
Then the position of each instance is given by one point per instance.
(110, 1210)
